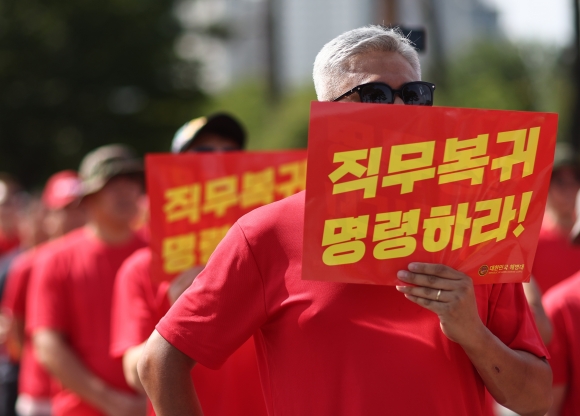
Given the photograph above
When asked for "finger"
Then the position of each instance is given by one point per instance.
(436, 295)
(439, 270)
(424, 280)
(433, 306)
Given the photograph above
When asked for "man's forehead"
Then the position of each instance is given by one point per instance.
(380, 63)
(376, 66)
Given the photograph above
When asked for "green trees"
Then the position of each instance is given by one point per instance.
(500, 75)
(76, 75)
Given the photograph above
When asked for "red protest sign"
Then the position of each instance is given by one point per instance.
(196, 198)
(390, 184)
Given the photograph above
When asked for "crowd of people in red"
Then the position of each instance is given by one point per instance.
(85, 331)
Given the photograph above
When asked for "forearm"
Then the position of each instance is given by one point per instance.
(517, 380)
(130, 360)
(61, 361)
(165, 375)
(534, 298)
(15, 338)
(559, 393)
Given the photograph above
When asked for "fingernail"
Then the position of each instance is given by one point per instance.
(402, 274)
(400, 288)
(414, 266)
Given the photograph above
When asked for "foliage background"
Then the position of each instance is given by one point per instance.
(77, 75)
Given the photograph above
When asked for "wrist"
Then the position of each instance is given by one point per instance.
(101, 394)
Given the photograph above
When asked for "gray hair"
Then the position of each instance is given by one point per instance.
(331, 62)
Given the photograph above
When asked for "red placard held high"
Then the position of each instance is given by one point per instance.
(390, 184)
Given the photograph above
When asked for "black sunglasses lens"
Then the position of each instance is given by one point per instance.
(417, 94)
(376, 93)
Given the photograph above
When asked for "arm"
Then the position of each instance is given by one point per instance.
(165, 374)
(132, 355)
(182, 282)
(559, 393)
(130, 360)
(517, 380)
(60, 360)
(15, 338)
(534, 297)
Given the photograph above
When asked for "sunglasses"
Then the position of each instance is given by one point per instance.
(412, 93)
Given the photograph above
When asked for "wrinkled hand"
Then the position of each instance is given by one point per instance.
(182, 282)
(123, 404)
(448, 293)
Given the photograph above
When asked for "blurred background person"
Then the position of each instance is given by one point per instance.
(562, 303)
(62, 214)
(10, 203)
(556, 257)
(30, 213)
(71, 287)
(139, 302)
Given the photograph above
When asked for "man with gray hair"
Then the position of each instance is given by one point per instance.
(328, 348)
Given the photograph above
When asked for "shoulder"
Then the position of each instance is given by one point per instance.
(136, 266)
(140, 258)
(52, 257)
(74, 240)
(278, 218)
(563, 294)
(23, 261)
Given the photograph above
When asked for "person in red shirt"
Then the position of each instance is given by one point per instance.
(10, 203)
(327, 348)
(69, 308)
(562, 303)
(62, 215)
(30, 216)
(139, 303)
(555, 241)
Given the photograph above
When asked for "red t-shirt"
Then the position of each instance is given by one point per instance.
(562, 304)
(329, 348)
(71, 291)
(556, 258)
(33, 379)
(8, 243)
(139, 304)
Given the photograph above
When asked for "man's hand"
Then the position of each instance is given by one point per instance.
(4, 327)
(449, 294)
(182, 282)
(516, 379)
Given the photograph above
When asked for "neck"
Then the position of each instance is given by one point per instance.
(109, 234)
(563, 223)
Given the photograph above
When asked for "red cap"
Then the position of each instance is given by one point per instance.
(61, 189)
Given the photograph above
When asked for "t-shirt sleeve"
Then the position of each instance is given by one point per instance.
(48, 305)
(14, 298)
(222, 308)
(511, 320)
(134, 313)
(558, 346)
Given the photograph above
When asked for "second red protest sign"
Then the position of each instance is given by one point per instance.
(196, 198)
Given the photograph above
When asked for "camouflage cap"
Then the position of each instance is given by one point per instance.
(104, 163)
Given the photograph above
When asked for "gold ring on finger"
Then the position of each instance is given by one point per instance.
(438, 294)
